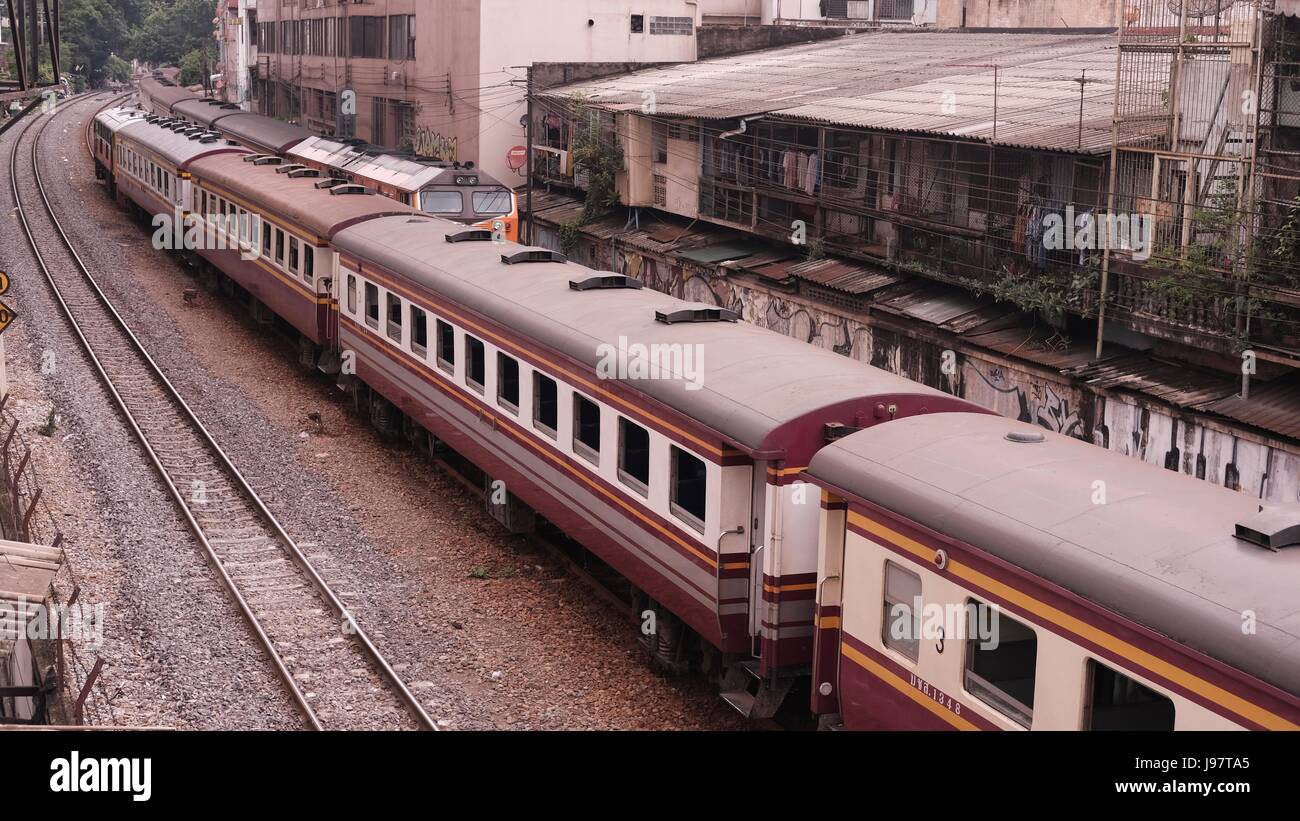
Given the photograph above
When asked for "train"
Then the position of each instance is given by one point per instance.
(457, 191)
(822, 538)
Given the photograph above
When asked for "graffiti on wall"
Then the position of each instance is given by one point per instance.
(1126, 425)
(429, 143)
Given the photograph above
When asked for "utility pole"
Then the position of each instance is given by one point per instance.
(528, 140)
(33, 43)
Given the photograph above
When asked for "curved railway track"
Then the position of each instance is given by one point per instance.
(332, 670)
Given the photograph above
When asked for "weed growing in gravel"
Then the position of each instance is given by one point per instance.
(51, 424)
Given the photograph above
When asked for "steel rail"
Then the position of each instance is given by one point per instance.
(348, 621)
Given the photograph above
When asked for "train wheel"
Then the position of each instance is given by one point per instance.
(665, 640)
(308, 352)
(384, 417)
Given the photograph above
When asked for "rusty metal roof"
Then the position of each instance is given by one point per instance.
(939, 82)
(1273, 406)
(1174, 382)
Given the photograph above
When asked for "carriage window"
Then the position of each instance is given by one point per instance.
(446, 347)
(475, 363)
(508, 382)
(395, 317)
(441, 202)
(372, 305)
(491, 203)
(309, 264)
(586, 428)
(546, 404)
(293, 254)
(689, 485)
(901, 628)
(279, 241)
(266, 240)
(634, 455)
(1000, 673)
(419, 331)
(352, 294)
(1117, 702)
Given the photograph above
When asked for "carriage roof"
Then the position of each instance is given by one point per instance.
(1160, 551)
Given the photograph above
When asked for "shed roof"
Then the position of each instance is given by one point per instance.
(939, 82)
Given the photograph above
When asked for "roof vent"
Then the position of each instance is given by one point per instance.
(299, 173)
(834, 431)
(348, 188)
(266, 159)
(470, 235)
(284, 169)
(697, 312)
(1274, 527)
(255, 157)
(533, 255)
(208, 139)
(1026, 437)
(605, 282)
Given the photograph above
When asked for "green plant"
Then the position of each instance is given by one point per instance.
(570, 233)
(1051, 294)
(601, 158)
(51, 423)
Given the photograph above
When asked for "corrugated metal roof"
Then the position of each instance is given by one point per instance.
(931, 82)
(1273, 406)
(26, 571)
(1174, 382)
(842, 275)
(1038, 344)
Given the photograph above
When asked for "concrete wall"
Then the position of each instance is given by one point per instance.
(718, 41)
(594, 31)
(739, 9)
(1029, 13)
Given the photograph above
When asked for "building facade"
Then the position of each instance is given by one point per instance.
(446, 79)
(1004, 193)
(237, 37)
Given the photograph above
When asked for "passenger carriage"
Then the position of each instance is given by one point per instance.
(1126, 596)
(103, 141)
(151, 166)
(275, 224)
(682, 486)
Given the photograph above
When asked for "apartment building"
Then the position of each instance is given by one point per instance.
(446, 78)
(1117, 261)
(237, 37)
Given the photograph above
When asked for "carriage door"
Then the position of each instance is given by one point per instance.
(757, 535)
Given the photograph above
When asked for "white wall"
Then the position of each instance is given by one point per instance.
(558, 31)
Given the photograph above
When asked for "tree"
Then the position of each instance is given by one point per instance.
(91, 30)
(117, 69)
(194, 67)
(173, 30)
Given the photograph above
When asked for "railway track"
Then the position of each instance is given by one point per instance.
(330, 667)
